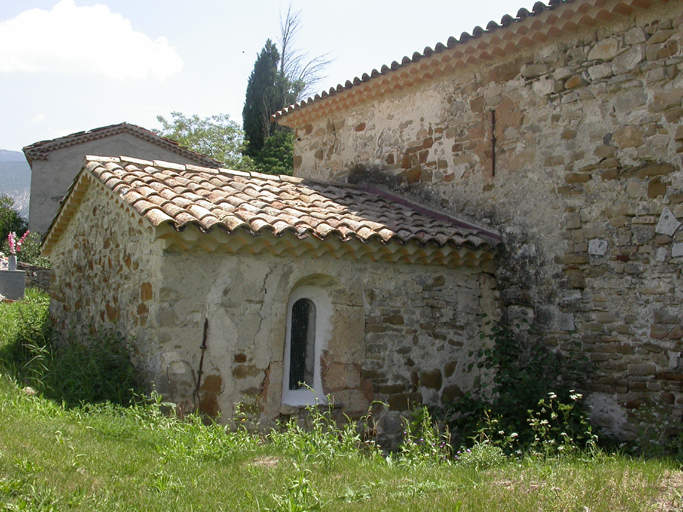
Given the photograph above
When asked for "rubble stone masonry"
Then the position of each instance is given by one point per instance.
(104, 278)
(398, 332)
(587, 189)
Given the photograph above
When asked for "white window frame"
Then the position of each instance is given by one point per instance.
(323, 313)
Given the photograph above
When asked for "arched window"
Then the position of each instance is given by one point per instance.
(308, 326)
(302, 351)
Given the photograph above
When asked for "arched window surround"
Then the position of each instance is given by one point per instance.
(323, 314)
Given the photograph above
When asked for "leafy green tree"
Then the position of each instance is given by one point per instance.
(277, 154)
(216, 136)
(264, 97)
(10, 220)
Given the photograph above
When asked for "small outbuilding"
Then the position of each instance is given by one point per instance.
(271, 290)
(55, 163)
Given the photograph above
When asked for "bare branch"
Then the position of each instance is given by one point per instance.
(302, 73)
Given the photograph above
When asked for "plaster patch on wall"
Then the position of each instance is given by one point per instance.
(668, 224)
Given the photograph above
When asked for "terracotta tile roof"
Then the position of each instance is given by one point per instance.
(180, 196)
(41, 150)
(528, 28)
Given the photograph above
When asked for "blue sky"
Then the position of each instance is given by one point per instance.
(73, 65)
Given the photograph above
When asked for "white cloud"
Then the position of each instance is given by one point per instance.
(38, 119)
(83, 40)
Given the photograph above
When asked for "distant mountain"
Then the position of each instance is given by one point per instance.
(15, 179)
(11, 156)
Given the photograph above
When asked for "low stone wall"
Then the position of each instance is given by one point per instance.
(398, 333)
(37, 277)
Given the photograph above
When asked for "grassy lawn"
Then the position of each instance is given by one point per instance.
(106, 457)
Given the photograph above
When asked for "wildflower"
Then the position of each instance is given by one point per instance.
(14, 244)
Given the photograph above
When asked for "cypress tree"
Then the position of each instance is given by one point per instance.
(264, 97)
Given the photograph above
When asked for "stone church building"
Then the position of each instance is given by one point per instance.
(529, 170)
(562, 127)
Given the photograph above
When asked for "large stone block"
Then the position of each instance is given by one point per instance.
(12, 284)
(628, 60)
(604, 50)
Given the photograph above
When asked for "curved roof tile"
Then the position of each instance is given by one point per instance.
(213, 198)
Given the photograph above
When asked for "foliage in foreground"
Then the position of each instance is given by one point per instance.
(73, 371)
(11, 221)
(107, 457)
(101, 456)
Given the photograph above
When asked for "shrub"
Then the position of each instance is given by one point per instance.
(91, 370)
(522, 371)
(481, 456)
(30, 251)
(10, 220)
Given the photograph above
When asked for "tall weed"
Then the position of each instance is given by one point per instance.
(320, 437)
(424, 443)
(76, 370)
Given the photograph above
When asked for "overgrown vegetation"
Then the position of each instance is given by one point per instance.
(71, 453)
(73, 371)
(524, 388)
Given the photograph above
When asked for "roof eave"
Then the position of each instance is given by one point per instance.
(528, 29)
(288, 244)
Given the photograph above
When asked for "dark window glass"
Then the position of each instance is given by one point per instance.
(302, 353)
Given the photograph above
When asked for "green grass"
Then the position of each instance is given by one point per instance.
(107, 457)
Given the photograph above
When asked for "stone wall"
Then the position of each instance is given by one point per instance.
(209, 328)
(587, 188)
(397, 332)
(36, 277)
(105, 266)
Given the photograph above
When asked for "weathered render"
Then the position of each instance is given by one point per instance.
(199, 268)
(55, 163)
(562, 126)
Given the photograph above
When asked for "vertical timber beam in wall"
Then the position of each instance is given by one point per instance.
(493, 143)
(201, 361)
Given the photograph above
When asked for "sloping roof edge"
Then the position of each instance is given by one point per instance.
(40, 150)
(485, 241)
(77, 190)
(528, 28)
